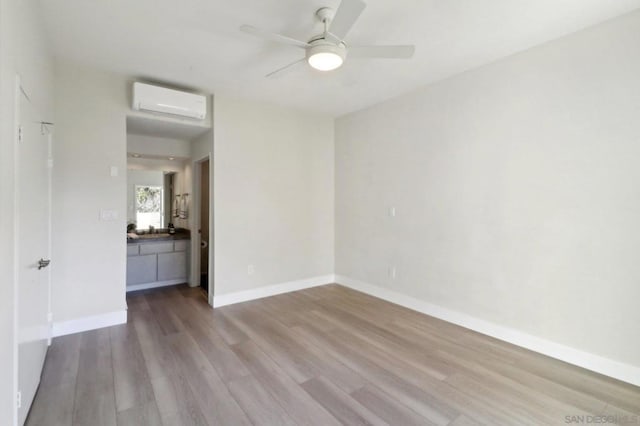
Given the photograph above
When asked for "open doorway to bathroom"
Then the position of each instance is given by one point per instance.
(203, 221)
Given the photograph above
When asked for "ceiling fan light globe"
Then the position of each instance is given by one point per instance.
(325, 61)
(325, 56)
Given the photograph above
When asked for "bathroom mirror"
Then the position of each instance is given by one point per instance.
(154, 193)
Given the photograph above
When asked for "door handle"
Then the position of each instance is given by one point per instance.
(43, 263)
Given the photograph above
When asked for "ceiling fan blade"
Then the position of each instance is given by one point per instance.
(272, 36)
(346, 15)
(283, 70)
(390, 52)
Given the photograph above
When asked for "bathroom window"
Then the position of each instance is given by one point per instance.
(148, 206)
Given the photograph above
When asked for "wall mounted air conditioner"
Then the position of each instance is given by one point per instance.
(168, 101)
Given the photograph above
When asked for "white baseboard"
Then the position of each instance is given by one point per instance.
(271, 290)
(618, 370)
(136, 287)
(89, 323)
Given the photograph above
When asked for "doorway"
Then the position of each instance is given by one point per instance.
(203, 225)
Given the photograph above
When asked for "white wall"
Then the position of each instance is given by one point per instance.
(155, 164)
(23, 50)
(202, 146)
(516, 187)
(162, 147)
(90, 255)
(273, 195)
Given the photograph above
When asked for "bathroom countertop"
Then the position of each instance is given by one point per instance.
(161, 236)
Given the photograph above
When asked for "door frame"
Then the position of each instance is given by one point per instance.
(195, 242)
(50, 236)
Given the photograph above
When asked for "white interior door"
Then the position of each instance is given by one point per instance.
(32, 240)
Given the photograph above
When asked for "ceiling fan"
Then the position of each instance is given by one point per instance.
(327, 51)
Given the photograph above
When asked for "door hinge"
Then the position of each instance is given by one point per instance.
(19, 399)
(50, 163)
(19, 133)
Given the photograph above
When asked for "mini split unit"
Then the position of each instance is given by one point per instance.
(168, 101)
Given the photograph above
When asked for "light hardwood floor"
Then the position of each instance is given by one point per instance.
(323, 356)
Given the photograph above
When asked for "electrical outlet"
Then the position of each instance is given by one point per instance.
(392, 212)
(392, 272)
(251, 269)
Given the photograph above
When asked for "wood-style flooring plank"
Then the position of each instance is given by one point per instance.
(94, 403)
(176, 402)
(493, 369)
(387, 408)
(259, 405)
(300, 361)
(146, 414)
(212, 345)
(327, 355)
(155, 347)
(167, 321)
(215, 401)
(53, 406)
(419, 399)
(437, 401)
(463, 420)
(302, 408)
(61, 364)
(132, 385)
(341, 405)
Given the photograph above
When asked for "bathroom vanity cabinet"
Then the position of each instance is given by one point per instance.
(157, 263)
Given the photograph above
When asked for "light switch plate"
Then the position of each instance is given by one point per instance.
(114, 171)
(108, 215)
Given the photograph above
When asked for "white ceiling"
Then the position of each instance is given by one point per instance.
(197, 44)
